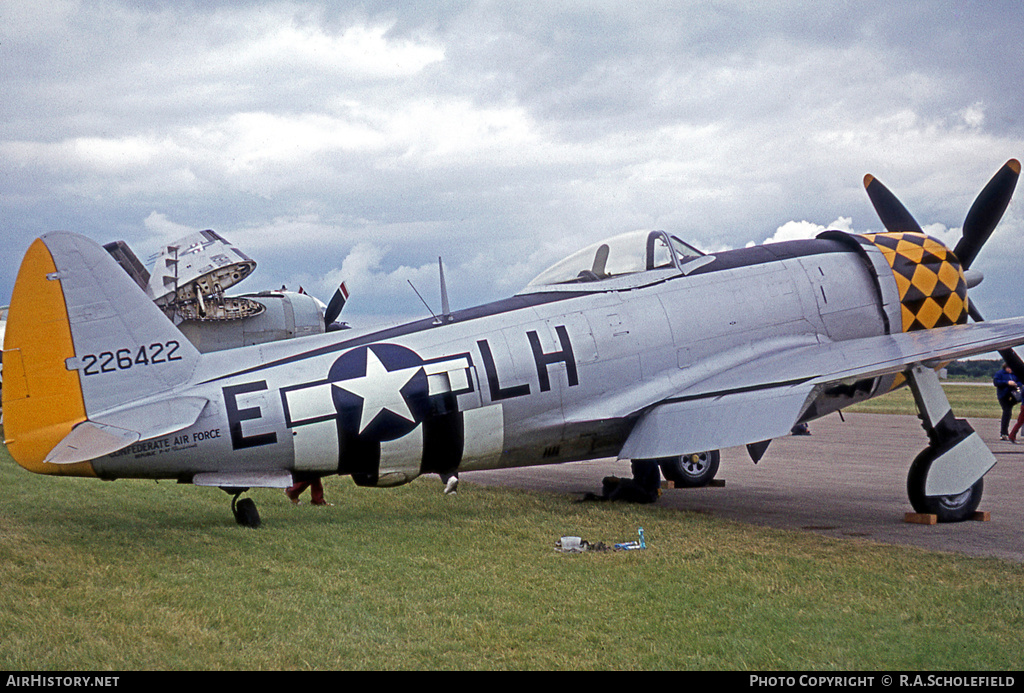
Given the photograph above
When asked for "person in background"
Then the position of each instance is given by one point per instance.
(451, 483)
(1006, 389)
(316, 491)
(1016, 426)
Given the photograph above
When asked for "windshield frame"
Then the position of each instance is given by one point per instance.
(633, 258)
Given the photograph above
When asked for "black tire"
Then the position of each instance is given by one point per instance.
(246, 513)
(692, 470)
(956, 508)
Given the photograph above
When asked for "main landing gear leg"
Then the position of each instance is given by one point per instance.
(244, 509)
(945, 479)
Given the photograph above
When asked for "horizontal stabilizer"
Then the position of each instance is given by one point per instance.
(155, 419)
(115, 430)
(87, 441)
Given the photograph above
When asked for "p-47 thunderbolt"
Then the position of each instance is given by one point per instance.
(640, 347)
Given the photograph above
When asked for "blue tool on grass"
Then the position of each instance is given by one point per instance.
(634, 545)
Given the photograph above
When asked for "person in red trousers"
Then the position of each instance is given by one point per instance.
(1016, 426)
(316, 491)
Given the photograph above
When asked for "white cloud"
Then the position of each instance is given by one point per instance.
(974, 115)
(163, 231)
(948, 236)
(376, 288)
(283, 42)
(799, 230)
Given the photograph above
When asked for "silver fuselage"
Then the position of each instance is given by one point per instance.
(552, 375)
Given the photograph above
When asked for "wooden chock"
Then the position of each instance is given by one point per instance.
(714, 483)
(929, 519)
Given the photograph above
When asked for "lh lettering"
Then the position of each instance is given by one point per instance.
(541, 359)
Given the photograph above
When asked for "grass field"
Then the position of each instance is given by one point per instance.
(969, 400)
(133, 575)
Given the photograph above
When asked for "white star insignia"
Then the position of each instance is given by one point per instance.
(380, 389)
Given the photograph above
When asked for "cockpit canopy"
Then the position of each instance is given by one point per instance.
(626, 254)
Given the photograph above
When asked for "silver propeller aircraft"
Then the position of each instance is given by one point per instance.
(640, 347)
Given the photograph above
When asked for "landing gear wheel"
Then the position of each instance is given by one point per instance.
(245, 512)
(692, 470)
(955, 508)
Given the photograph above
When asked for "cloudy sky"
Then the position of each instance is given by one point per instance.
(363, 140)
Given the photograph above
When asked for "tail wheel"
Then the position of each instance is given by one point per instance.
(245, 512)
(954, 508)
(691, 470)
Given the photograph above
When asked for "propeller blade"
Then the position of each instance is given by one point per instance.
(1014, 362)
(336, 304)
(986, 212)
(891, 211)
(1010, 356)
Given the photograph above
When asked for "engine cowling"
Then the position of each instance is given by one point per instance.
(931, 282)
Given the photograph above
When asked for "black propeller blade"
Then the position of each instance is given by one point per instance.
(979, 224)
(891, 211)
(986, 212)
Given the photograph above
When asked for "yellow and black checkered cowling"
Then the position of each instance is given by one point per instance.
(932, 288)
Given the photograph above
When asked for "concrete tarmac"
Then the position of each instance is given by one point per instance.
(846, 480)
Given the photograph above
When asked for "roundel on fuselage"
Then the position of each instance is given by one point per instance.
(932, 288)
(380, 391)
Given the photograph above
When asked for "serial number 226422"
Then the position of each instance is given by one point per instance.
(124, 359)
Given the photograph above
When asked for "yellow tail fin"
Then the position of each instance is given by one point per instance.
(42, 399)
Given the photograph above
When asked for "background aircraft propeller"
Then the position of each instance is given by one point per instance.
(337, 303)
(333, 309)
(981, 221)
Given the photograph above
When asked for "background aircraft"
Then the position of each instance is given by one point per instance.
(640, 346)
(189, 280)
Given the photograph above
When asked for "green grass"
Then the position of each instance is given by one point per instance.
(134, 575)
(967, 400)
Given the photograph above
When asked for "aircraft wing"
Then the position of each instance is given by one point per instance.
(764, 396)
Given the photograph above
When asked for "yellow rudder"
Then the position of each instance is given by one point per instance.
(42, 399)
